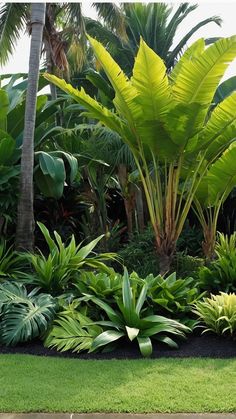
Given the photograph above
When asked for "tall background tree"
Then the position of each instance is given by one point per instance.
(25, 217)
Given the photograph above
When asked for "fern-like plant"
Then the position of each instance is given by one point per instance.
(72, 331)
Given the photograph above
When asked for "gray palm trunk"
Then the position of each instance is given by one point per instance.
(25, 215)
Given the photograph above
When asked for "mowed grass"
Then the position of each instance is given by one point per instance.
(40, 384)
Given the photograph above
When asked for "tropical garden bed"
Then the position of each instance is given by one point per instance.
(130, 179)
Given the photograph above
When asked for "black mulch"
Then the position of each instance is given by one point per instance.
(207, 345)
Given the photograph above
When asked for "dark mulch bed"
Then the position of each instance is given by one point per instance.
(207, 345)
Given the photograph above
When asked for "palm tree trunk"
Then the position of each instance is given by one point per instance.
(25, 215)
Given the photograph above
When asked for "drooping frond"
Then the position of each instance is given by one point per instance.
(126, 95)
(13, 19)
(191, 54)
(220, 128)
(220, 179)
(113, 17)
(94, 109)
(179, 47)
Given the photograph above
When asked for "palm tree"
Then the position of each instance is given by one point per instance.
(25, 217)
(156, 23)
(63, 35)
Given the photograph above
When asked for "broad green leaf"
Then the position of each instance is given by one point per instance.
(220, 128)
(198, 79)
(151, 82)
(145, 346)
(105, 338)
(4, 108)
(93, 108)
(84, 251)
(132, 332)
(126, 95)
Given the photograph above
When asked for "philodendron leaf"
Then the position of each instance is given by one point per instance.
(132, 332)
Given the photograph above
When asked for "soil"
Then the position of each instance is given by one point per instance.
(207, 345)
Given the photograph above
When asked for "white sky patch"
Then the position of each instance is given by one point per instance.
(18, 63)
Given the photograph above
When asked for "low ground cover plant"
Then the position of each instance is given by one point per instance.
(218, 313)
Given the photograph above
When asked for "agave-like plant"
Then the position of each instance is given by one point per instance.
(168, 123)
(56, 272)
(129, 320)
(23, 316)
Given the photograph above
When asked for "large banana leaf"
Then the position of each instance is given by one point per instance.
(220, 128)
(225, 89)
(151, 82)
(220, 179)
(198, 79)
(94, 109)
(126, 94)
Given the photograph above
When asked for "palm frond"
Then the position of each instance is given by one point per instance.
(113, 16)
(178, 49)
(13, 20)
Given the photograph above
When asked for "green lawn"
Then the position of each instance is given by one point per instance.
(30, 383)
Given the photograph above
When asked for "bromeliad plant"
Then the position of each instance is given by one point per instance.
(218, 313)
(129, 320)
(167, 122)
(173, 295)
(56, 272)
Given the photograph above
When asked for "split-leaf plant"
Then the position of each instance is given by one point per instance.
(167, 122)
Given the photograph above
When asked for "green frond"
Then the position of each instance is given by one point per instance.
(113, 16)
(125, 93)
(94, 109)
(199, 78)
(221, 127)
(13, 19)
(151, 82)
(178, 49)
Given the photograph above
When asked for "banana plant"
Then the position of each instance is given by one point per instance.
(168, 124)
(213, 190)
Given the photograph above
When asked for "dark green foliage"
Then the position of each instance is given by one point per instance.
(129, 319)
(23, 316)
(139, 254)
(56, 272)
(10, 261)
(186, 265)
(101, 285)
(171, 295)
(190, 240)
